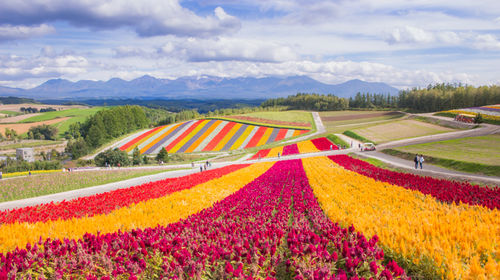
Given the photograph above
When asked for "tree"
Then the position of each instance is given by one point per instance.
(478, 118)
(114, 157)
(77, 148)
(136, 156)
(162, 155)
(43, 131)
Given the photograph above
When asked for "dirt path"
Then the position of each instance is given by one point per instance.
(18, 118)
(320, 128)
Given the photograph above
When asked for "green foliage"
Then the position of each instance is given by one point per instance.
(113, 157)
(145, 159)
(136, 157)
(162, 156)
(337, 141)
(16, 100)
(478, 118)
(77, 147)
(441, 97)
(11, 165)
(42, 132)
(312, 101)
(357, 137)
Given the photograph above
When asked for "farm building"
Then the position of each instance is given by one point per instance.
(26, 154)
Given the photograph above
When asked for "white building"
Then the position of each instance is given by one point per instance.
(26, 154)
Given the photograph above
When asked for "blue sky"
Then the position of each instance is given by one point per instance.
(401, 42)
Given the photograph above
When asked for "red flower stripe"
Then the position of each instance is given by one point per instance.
(261, 154)
(106, 202)
(323, 144)
(135, 140)
(281, 134)
(255, 139)
(219, 136)
(183, 135)
(443, 190)
(291, 149)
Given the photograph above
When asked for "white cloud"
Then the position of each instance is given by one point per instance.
(9, 32)
(409, 34)
(487, 42)
(147, 17)
(14, 67)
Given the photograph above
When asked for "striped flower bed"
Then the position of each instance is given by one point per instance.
(303, 147)
(207, 135)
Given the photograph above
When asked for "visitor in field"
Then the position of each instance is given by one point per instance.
(201, 168)
(416, 160)
(421, 160)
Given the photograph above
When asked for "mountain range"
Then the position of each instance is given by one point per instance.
(207, 87)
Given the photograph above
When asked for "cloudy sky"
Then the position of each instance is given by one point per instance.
(404, 43)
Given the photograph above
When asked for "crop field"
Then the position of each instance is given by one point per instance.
(43, 184)
(397, 130)
(339, 121)
(314, 218)
(21, 128)
(302, 147)
(28, 144)
(480, 149)
(207, 135)
(289, 116)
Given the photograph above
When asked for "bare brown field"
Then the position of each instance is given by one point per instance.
(358, 116)
(17, 118)
(21, 128)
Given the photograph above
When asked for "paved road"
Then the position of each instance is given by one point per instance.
(320, 128)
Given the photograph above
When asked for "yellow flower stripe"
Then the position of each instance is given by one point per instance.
(150, 213)
(23, 173)
(484, 114)
(415, 225)
(306, 147)
(227, 137)
(274, 151)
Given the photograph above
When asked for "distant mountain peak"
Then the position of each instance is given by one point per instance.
(195, 87)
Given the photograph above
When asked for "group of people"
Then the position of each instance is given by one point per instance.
(419, 160)
(203, 166)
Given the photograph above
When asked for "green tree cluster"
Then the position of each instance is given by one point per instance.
(309, 101)
(12, 165)
(112, 157)
(44, 132)
(104, 126)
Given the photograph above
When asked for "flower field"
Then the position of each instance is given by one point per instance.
(207, 135)
(25, 173)
(316, 218)
(302, 147)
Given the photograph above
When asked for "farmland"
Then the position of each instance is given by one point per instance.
(397, 130)
(339, 121)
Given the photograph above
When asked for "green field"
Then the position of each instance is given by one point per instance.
(75, 115)
(396, 130)
(10, 113)
(44, 184)
(480, 149)
(29, 144)
(81, 113)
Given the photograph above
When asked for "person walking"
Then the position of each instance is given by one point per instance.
(201, 168)
(421, 160)
(416, 160)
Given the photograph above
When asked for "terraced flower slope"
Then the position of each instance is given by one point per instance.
(207, 135)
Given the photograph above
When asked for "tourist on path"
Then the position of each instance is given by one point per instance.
(416, 160)
(421, 160)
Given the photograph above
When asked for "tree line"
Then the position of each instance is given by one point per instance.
(437, 97)
(104, 126)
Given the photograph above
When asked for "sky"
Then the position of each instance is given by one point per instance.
(404, 43)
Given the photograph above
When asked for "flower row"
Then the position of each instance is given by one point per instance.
(149, 213)
(303, 147)
(443, 190)
(105, 203)
(25, 173)
(273, 228)
(455, 241)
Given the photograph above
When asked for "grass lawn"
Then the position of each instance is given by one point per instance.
(33, 186)
(289, 116)
(480, 149)
(381, 133)
(29, 144)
